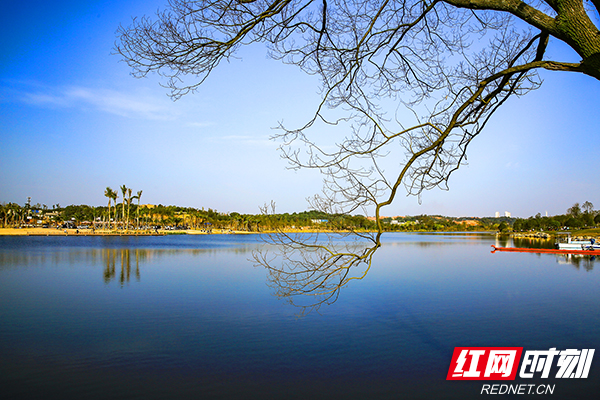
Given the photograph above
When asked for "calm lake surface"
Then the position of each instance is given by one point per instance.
(191, 317)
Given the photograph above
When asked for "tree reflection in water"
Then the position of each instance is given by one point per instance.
(110, 257)
(577, 260)
(308, 270)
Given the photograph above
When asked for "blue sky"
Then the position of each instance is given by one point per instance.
(73, 121)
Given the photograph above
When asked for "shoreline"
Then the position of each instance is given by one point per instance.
(71, 232)
(225, 231)
(160, 232)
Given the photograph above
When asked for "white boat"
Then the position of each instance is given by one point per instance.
(578, 244)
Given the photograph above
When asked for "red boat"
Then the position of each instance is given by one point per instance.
(554, 251)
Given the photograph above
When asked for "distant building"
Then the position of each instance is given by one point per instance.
(507, 214)
(497, 214)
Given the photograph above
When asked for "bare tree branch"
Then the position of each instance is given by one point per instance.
(410, 82)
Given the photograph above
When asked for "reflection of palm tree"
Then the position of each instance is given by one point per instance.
(137, 264)
(128, 262)
(122, 278)
(109, 268)
(110, 257)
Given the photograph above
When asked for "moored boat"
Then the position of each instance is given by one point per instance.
(590, 251)
(577, 244)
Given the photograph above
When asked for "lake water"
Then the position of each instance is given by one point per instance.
(191, 317)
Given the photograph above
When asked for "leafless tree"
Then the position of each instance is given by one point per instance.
(410, 82)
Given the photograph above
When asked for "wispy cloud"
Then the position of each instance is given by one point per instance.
(512, 165)
(130, 105)
(246, 139)
(200, 124)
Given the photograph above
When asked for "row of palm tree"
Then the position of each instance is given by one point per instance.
(127, 199)
(11, 214)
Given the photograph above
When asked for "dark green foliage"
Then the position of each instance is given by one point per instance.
(12, 214)
(574, 218)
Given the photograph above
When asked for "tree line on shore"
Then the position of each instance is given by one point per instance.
(133, 216)
(130, 214)
(577, 217)
(127, 213)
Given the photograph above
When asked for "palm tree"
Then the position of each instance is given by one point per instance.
(112, 195)
(138, 197)
(4, 213)
(109, 193)
(129, 198)
(124, 191)
(115, 196)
